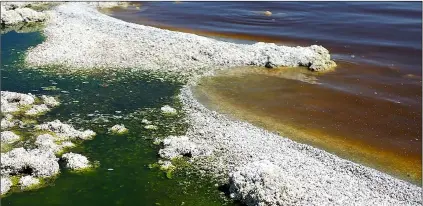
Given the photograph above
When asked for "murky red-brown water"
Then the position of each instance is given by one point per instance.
(367, 110)
(365, 126)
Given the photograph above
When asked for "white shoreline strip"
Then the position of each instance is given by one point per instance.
(80, 36)
(323, 178)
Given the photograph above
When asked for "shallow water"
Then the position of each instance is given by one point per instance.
(382, 134)
(367, 110)
(98, 102)
(380, 40)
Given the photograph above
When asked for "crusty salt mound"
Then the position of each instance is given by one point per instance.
(5, 185)
(181, 146)
(37, 109)
(28, 181)
(8, 122)
(262, 183)
(38, 163)
(48, 142)
(76, 161)
(12, 101)
(50, 101)
(37, 160)
(18, 12)
(118, 129)
(65, 131)
(79, 36)
(168, 110)
(9, 137)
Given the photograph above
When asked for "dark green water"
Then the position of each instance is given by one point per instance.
(97, 102)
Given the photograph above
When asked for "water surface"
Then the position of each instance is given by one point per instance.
(374, 131)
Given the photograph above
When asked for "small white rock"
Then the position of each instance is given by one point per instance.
(50, 101)
(37, 109)
(9, 137)
(65, 131)
(119, 129)
(76, 161)
(28, 181)
(145, 121)
(151, 127)
(5, 185)
(12, 101)
(168, 110)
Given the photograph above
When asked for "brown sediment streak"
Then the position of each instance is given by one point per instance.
(365, 141)
(125, 15)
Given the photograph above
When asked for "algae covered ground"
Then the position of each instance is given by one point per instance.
(98, 100)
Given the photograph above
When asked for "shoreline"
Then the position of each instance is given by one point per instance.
(76, 34)
(240, 143)
(80, 36)
(226, 94)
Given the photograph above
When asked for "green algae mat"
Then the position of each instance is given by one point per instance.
(97, 101)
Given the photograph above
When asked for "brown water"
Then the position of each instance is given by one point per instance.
(367, 110)
(375, 131)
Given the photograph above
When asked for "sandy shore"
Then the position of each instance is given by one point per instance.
(262, 168)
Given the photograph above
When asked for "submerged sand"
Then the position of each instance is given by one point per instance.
(78, 36)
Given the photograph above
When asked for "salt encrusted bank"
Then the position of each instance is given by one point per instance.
(80, 36)
(261, 168)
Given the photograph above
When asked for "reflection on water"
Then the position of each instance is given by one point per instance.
(352, 122)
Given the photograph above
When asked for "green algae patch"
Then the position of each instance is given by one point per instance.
(4, 147)
(14, 180)
(172, 166)
(16, 187)
(167, 170)
(97, 100)
(50, 88)
(43, 183)
(23, 27)
(43, 6)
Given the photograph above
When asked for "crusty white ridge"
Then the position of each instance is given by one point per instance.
(80, 36)
(263, 168)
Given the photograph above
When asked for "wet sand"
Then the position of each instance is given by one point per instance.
(364, 123)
